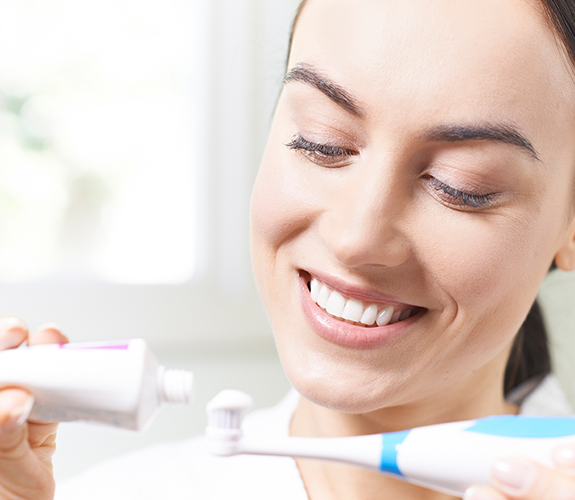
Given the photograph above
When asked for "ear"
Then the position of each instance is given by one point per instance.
(565, 256)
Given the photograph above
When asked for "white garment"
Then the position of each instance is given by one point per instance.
(547, 399)
(184, 470)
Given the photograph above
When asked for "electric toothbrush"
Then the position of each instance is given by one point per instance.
(448, 457)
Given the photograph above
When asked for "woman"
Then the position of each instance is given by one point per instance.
(417, 185)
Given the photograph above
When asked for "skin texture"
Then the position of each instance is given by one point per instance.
(374, 219)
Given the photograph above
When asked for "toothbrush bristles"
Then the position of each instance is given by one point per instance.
(225, 411)
(225, 419)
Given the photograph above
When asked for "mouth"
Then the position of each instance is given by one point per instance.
(353, 316)
(369, 313)
(356, 311)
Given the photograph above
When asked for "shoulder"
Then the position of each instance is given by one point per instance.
(184, 470)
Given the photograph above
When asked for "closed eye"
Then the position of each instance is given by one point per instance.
(321, 154)
(461, 199)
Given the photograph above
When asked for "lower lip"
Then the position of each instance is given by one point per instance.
(346, 334)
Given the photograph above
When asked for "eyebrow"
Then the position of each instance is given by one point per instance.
(507, 134)
(504, 133)
(306, 73)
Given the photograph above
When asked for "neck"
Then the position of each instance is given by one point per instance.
(478, 395)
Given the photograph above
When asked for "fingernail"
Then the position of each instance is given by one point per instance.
(564, 455)
(49, 326)
(12, 332)
(19, 414)
(479, 493)
(515, 474)
(7, 322)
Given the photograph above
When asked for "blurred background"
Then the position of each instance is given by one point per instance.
(130, 135)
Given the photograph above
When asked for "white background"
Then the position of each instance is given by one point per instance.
(213, 324)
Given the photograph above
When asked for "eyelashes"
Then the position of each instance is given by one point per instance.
(321, 154)
(335, 157)
(461, 198)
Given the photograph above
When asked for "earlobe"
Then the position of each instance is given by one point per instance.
(565, 257)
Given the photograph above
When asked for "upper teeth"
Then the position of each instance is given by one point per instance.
(354, 310)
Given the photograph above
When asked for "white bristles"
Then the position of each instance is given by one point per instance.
(225, 411)
(225, 414)
(224, 419)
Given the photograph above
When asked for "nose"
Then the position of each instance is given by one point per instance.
(366, 221)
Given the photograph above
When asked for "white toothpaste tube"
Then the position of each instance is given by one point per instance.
(117, 383)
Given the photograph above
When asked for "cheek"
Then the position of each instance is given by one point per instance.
(284, 201)
(491, 267)
(279, 211)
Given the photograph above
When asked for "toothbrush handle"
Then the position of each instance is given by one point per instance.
(363, 451)
(452, 462)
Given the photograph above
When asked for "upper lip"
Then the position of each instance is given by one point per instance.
(365, 294)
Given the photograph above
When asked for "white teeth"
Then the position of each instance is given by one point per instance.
(315, 287)
(395, 317)
(405, 315)
(384, 317)
(323, 296)
(369, 315)
(353, 310)
(335, 304)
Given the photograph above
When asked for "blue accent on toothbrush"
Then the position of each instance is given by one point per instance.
(525, 427)
(390, 443)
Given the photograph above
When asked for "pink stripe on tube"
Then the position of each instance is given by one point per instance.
(109, 346)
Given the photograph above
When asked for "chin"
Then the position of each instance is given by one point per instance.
(353, 395)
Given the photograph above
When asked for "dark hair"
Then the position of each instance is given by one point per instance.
(529, 360)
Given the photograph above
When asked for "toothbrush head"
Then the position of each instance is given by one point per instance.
(225, 414)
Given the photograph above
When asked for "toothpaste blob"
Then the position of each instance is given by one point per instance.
(120, 384)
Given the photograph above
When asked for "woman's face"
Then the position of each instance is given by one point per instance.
(421, 158)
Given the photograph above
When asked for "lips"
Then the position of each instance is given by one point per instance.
(356, 311)
(353, 317)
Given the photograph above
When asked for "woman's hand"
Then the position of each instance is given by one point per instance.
(517, 478)
(26, 448)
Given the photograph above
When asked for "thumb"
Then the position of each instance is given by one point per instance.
(525, 480)
(15, 407)
(23, 474)
(15, 453)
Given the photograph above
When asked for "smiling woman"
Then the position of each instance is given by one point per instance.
(423, 164)
(400, 162)
(416, 188)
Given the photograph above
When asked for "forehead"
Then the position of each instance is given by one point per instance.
(460, 59)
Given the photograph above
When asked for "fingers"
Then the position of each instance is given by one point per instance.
(13, 332)
(42, 439)
(26, 448)
(564, 458)
(15, 406)
(24, 472)
(521, 479)
(483, 493)
(47, 334)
